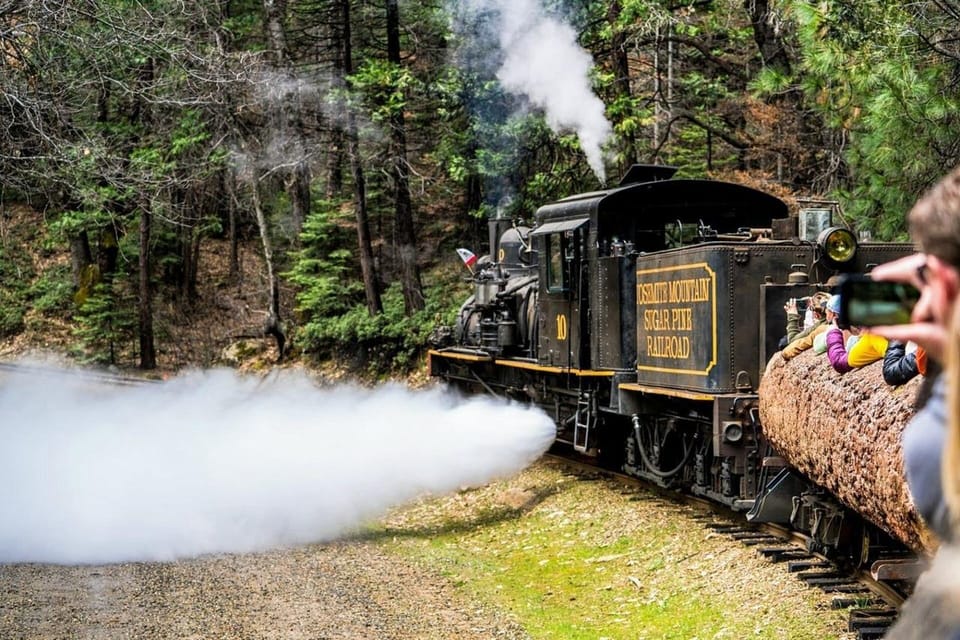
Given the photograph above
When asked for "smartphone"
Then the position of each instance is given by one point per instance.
(867, 303)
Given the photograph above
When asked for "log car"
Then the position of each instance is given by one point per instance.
(642, 317)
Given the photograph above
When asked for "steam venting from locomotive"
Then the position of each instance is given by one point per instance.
(213, 462)
(541, 60)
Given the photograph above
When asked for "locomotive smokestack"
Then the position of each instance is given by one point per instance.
(498, 224)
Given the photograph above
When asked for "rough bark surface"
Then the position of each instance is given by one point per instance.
(843, 432)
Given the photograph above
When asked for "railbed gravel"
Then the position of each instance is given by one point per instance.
(342, 590)
(363, 587)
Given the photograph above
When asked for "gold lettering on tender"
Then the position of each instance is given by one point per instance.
(674, 291)
(656, 319)
(688, 290)
(653, 292)
(675, 347)
(669, 317)
(681, 318)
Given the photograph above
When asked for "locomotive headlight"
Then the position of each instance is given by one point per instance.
(837, 244)
(732, 432)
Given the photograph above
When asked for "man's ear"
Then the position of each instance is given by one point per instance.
(948, 274)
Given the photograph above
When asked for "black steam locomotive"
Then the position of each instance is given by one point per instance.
(641, 318)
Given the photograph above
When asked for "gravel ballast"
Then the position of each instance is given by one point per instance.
(380, 585)
(349, 590)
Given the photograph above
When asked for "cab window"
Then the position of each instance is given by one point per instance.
(555, 262)
(680, 234)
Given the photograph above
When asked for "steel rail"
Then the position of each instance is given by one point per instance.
(78, 373)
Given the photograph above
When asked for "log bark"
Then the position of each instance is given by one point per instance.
(843, 432)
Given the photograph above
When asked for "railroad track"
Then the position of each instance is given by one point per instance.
(873, 597)
(89, 375)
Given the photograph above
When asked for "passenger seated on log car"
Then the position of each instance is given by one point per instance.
(903, 362)
(813, 315)
(810, 314)
(803, 340)
(820, 341)
(868, 347)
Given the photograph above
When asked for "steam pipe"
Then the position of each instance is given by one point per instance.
(649, 463)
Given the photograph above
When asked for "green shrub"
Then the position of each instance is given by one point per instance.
(104, 324)
(331, 306)
(323, 272)
(52, 292)
(16, 271)
(12, 312)
(383, 343)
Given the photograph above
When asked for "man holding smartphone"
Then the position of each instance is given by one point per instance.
(935, 228)
(931, 441)
(798, 341)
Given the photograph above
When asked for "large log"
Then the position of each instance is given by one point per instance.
(843, 432)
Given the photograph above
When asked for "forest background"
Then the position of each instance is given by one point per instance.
(180, 180)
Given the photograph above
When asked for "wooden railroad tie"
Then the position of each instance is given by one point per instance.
(802, 565)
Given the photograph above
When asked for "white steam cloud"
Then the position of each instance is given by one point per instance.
(543, 61)
(213, 462)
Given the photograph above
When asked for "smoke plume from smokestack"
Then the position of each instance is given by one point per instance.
(212, 462)
(542, 60)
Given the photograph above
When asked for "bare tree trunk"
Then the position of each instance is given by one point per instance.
(276, 34)
(374, 304)
(80, 257)
(299, 189)
(621, 82)
(187, 201)
(769, 42)
(148, 352)
(272, 325)
(334, 181)
(333, 184)
(229, 177)
(365, 247)
(298, 180)
(406, 233)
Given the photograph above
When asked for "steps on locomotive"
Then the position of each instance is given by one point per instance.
(585, 421)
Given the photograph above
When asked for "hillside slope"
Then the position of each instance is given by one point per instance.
(224, 325)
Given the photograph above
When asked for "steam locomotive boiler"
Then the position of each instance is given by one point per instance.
(641, 318)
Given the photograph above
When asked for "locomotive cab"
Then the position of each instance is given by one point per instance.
(563, 287)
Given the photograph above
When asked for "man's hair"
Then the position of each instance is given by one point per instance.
(935, 220)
